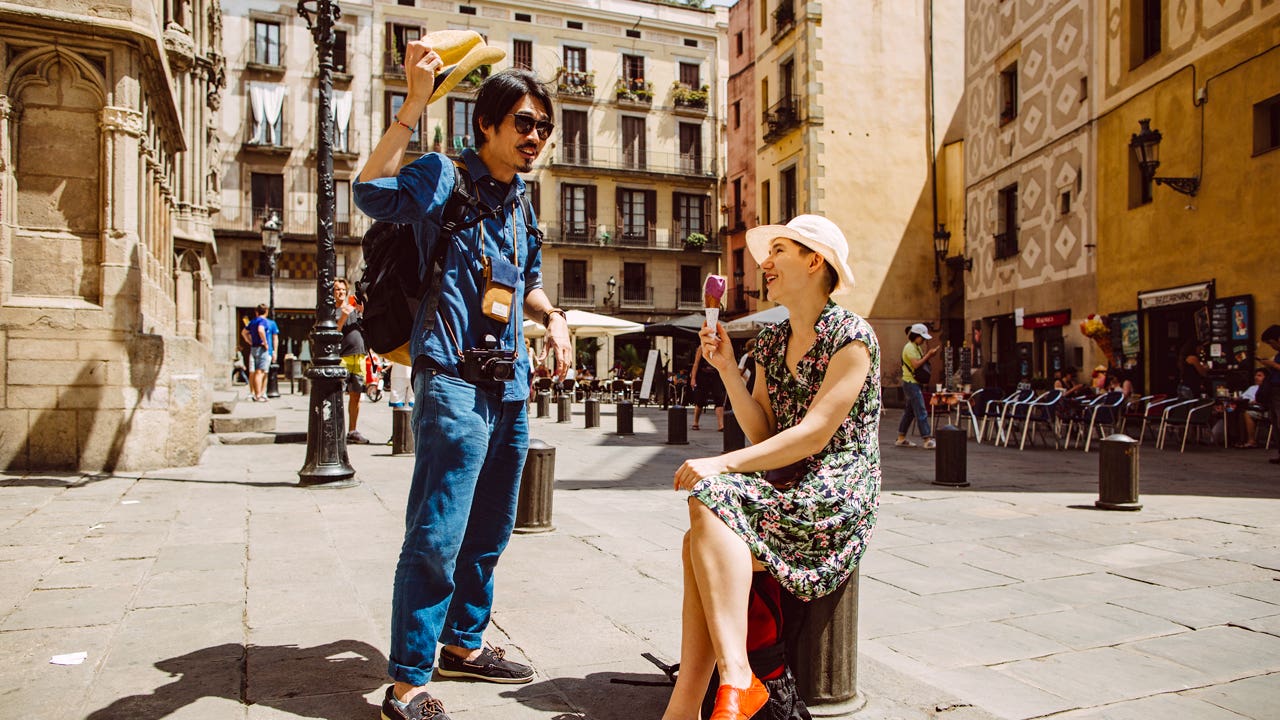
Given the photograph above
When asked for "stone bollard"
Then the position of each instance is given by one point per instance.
(677, 425)
(537, 484)
(1118, 473)
(625, 411)
(563, 409)
(401, 431)
(824, 653)
(544, 404)
(734, 439)
(950, 463)
(592, 410)
(304, 385)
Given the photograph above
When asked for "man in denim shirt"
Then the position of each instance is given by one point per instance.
(470, 436)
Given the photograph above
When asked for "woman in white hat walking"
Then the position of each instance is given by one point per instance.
(915, 377)
(800, 501)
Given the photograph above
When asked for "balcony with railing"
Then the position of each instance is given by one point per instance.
(1006, 244)
(573, 234)
(576, 296)
(692, 239)
(635, 92)
(249, 219)
(689, 297)
(576, 84)
(784, 18)
(633, 235)
(638, 298)
(614, 158)
(689, 100)
(782, 117)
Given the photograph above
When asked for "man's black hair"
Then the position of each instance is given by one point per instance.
(500, 93)
(1271, 333)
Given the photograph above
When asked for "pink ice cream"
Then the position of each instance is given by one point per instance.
(712, 292)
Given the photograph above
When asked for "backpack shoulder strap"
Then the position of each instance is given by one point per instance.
(463, 209)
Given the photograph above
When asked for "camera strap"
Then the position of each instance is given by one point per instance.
(500, 277)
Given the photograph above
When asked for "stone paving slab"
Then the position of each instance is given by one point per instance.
(239, 582)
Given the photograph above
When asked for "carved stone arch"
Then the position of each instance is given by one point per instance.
(57, 247)
(40, 66)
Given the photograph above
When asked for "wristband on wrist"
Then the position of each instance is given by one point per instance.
(546, 316)
(404, 125)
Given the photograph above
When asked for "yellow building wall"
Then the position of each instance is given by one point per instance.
(1228, 231)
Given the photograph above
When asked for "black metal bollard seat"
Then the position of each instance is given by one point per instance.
(950, 457)
(677, 425)
(1118, 473)
(563, 409)
(401, 431)
(592, 409)
(625, 417)
(823, 655)
(734, 439)
(537, 484)
(544, 404)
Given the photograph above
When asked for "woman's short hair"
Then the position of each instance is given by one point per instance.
(500, 93)
(832, 278)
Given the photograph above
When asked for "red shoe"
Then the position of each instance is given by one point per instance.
(738, 704)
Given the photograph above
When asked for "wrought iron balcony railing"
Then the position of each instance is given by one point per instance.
(783, 116)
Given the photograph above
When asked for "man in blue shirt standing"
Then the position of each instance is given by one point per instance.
(471, 375)
(257, 334)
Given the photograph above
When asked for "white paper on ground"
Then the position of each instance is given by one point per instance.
(74, 658)
(130, 502)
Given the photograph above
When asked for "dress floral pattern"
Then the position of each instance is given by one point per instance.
(812, 534)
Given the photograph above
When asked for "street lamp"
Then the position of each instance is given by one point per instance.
(941, 245)
(326, 464)
(1146, 149)
(271, 246)
(608, 296)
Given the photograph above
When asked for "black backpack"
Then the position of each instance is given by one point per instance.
(391, 288)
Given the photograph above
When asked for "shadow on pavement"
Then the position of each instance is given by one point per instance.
(597, 696)
(325, 681)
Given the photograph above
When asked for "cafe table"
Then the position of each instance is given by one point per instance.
(951, 401)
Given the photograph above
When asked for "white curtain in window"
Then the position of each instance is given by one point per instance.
(341, 118)
(266, 101)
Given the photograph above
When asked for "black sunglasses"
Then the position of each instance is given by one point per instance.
(525, 123)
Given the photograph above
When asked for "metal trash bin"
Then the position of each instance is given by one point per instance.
(537, 485)
(625, 417)
(1118, 473)
(734, 438)
(563, 409)
(677, 425)
(592, 409)
(401, 431)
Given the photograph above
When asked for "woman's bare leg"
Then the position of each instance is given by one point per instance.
(697, 657)
(722, 568)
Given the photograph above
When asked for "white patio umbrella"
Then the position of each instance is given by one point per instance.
(588, 324)
(755, 322)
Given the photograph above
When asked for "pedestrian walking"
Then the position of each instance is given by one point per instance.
(915, 377)
(800, 501)
(353, 354)
(471, 367)
(1270, 392)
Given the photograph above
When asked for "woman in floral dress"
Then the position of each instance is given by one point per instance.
(800, 501)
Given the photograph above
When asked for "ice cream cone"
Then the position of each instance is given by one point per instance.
(712, 292)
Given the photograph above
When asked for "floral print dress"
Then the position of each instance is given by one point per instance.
(810, 534)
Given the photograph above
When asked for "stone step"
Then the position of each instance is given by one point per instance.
(243, 420)
(244, 438)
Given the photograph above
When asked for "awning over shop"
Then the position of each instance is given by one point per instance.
(1195, 293)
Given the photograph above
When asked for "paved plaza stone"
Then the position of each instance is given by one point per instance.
(226, 591)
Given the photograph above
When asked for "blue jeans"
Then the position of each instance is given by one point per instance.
(470, 451)
(915, 411)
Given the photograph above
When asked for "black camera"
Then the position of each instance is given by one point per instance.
(488, 363)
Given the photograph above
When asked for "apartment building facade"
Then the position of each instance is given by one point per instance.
(626, 191)
(108, 180)
(1030, 185)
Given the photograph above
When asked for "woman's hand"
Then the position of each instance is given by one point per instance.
(695, 469)
(716, 348)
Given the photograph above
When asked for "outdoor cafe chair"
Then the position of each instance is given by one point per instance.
(567, 387)
(1043, 411)
(1105, 412)
(1000, 410)
(976, 407)
(1183, 416)
(1136, 408)
(619, 390)
(1153, 415)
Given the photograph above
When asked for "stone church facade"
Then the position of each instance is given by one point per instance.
(109, 169)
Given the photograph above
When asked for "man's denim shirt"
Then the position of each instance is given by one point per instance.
(417, 196)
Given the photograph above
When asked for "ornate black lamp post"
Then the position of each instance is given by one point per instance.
(1146, 149)
(271, 246)
(941, 245)
(327, 464)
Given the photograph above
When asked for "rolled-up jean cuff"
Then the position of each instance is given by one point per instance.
(470, 641)
(415, 676)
